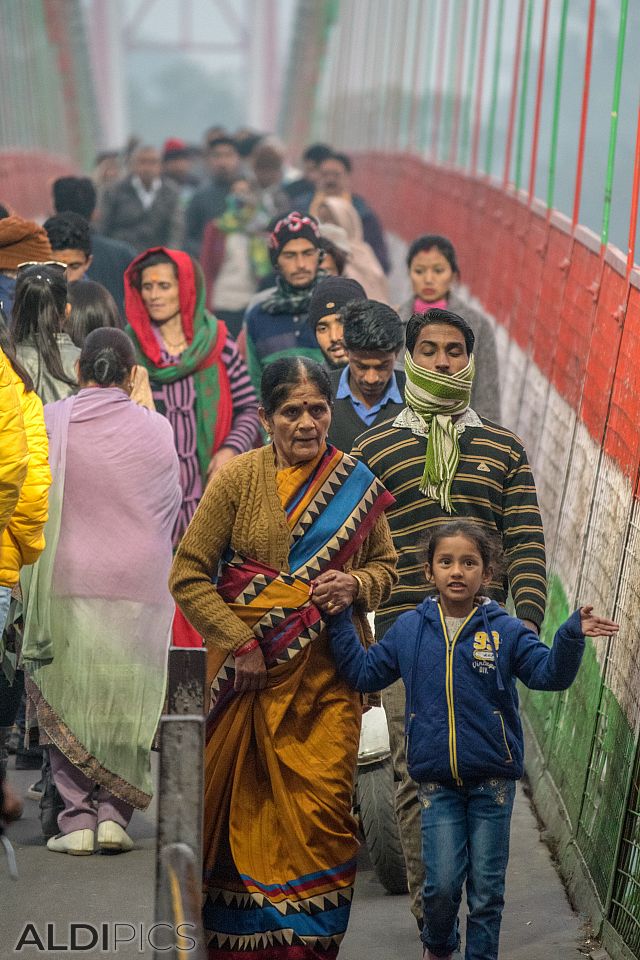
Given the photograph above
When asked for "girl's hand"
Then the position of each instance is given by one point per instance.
(596, 626)
(333, 591)
(251, 672)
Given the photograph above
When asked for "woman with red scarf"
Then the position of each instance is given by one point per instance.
(198, 378)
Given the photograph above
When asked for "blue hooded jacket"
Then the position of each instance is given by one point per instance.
(462, 721)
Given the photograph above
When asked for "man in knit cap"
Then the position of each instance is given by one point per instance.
(326, 316)
(20, 241)
(276, 325)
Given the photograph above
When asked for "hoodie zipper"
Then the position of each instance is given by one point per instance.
(450, 644)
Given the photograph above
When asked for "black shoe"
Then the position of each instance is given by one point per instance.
(50, 802)
(13, 742)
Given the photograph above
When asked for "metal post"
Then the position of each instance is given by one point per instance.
(180, 787)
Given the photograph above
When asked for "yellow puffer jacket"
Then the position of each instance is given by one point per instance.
(22, 541)
(14, 454)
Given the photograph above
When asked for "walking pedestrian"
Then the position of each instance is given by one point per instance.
(21, 241)
(439, 458)
(362, 264)
(234, 256)
(326, 319)
(43, 347)
(198, 379)
(435, 274)
(464, 737)
(368, 391)
(98, 613)
(209, 200)
(70, 239)
(90, 306)
(144, 209)
(22, 539)
(110, 258)
(296, 529)
(276, 324)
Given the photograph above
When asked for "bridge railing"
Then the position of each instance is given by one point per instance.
(459, 115)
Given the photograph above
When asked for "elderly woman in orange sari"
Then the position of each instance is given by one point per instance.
(283, 536)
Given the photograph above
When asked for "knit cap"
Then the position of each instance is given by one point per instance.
(21, 241)
(331, 295)
(294, 226)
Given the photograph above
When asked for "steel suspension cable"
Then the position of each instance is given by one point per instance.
(456, 31)
(468, 86)
(613, 133)
(429, 61)
(557, 99)
(514, 96)
(586, 84)
(437, 104)
(479, 87)
(539, 89)
(524, 87)
(488, 161)
(457, 107)
(415, 99)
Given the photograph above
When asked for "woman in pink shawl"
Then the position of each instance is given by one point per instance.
(98, 611)
(362, 263)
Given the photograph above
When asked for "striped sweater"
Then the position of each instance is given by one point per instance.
(493, 486)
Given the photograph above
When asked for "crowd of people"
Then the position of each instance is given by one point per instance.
(217, 429)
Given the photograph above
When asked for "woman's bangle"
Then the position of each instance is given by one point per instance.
(247, 647)
(359, 582)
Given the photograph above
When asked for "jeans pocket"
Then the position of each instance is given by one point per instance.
(426, 791)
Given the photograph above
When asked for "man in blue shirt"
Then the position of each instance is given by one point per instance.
(368, 390)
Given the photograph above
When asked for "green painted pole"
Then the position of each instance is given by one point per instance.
(494, 90)
(613, 133)
(557, 98)
(465, 141)
(522, 119)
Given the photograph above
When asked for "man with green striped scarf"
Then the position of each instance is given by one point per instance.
(441, 461)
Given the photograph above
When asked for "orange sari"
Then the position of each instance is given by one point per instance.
(280, 844)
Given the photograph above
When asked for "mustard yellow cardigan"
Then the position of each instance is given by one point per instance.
(240, 508)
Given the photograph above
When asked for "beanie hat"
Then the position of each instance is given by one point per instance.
(174, 147)
(22, 240)
(331, 295)
(294, 226)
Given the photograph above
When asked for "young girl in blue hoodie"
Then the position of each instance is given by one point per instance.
(460, 655)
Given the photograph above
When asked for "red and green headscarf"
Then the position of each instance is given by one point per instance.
(206, 337)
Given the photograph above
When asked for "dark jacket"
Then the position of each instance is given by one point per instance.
(462, 721)
(346, 425)
(110, 260)
(208, 202)
(485, 393)
(124, 218)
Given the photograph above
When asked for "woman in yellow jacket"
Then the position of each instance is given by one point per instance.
(14, 459)
(24, 487)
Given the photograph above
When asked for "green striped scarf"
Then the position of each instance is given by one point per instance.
(436, 398)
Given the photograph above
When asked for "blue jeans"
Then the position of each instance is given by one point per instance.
(465, 836)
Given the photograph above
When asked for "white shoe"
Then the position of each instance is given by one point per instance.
(80, 843)
(111, 836)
